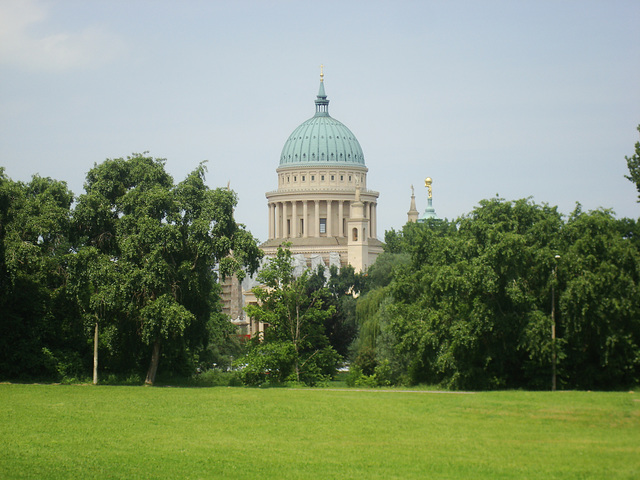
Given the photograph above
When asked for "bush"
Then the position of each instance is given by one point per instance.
(355, 374)
(320, 366)
(271, 363)
(274, 363)
(381, 377)
(131, 379)
(65, 365)
(366, 361)
(383, 374)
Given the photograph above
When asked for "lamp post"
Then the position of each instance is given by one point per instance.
(553, 324)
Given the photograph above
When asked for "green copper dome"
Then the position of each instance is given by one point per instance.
(322, 141)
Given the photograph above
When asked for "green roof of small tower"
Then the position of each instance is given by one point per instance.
(429, 212)
(322, 140)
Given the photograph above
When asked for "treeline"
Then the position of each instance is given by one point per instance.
(472, 303)
(512, 295)
(121, 275)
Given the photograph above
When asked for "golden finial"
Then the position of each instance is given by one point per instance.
(322, 73)
(427, 183)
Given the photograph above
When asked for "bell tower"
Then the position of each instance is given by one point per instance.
(358, 232)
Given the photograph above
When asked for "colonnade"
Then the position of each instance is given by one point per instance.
(285, 220)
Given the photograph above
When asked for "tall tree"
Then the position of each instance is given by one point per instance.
(296, 315)
(37, 333)
(94, 283)
(460, 309)
(165, 240)
(599, 302)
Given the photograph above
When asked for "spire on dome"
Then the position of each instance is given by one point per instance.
(322, 104)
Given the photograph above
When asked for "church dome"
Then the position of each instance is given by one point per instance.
(322, 141)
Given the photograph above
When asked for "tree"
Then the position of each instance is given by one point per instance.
(633, 163)
(38, 334)
(460, 309)
(164, 241)
(296, 315)
(599, 303)
(393, 241)
(95, 285)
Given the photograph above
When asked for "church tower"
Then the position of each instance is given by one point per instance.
(413, 213)
(357, 242)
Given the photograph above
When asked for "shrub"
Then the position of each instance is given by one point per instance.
(320, 366)
(270, 362)
(381, 377)
(65, 365)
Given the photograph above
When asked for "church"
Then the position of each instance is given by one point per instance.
(322, 205)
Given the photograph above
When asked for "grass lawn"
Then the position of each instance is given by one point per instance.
(54, 431)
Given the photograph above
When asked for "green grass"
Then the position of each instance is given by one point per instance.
(73, 431)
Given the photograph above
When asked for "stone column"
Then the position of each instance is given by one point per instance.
(329, 219)
(285, 233)
(340, 218)
(305, 216)
(276, 210)
(374, 220)
(294, 219)
(367, 214)
(270, 205)
(317, 215)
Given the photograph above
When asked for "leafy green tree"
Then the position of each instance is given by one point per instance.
(341, 290)
(95, 285)
(393, 241)
(38, 334)
(165, 241)
(633, 163)
(459, 310)
(296, 315)
(599, 303)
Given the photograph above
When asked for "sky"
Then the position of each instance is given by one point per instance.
(519, 99)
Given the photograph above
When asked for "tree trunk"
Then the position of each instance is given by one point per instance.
(95, 355)
(153, 366)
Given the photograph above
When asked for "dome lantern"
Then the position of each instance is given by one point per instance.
(322, 104)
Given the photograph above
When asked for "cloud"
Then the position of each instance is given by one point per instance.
(21, 43)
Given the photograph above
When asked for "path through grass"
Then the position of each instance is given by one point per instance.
(50, 431)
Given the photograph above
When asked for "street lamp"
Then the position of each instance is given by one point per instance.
(553, 324)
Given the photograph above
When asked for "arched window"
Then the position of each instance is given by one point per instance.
(355, 234)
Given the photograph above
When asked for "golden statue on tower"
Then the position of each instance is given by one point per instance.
(427, 183)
